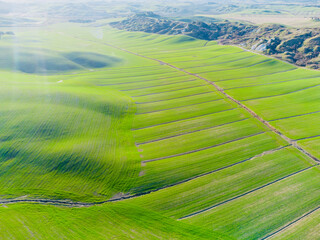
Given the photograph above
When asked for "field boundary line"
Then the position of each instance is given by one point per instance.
(214, 64)
(162, 100)
(304, 138)
(229, 69)
(201, 149)
(204, 59)
(229, 79)
(246, 193)
(273, 129)
(161, 110)
(290, 141)
(159, 124)
(186, 133)
(299, 115)
(88, 204)
(171, 83)
(148, 80)
(299, 90)
(290, 223)
(271, 83)
(168, 91)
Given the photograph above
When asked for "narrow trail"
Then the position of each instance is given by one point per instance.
(290, 223)
(69, 203)
(273, 129)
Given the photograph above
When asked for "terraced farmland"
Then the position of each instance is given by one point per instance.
(192, 141)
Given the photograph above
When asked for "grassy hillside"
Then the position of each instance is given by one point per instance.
(113, 221)
(167, 123)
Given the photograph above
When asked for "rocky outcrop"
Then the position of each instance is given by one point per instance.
(298, 46)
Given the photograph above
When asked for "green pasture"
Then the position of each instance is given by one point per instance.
(172, 170)
(112, 221)
(85, 119)
(254, 215)
(216, 187)
(307, 228)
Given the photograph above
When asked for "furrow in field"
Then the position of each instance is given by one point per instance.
(205, 59)
(201, 85)
(142, 81)
(214, 64)
(229, 97)
(268, 74)
(299, 139)
(185, 133)
(262, 84)
(136, 75)
(220, 70)
(282, 94)
(290, 223)
(132, 89)
(183, 119)
(86, 204)
(294, 116)
(173, 98)
(201, 149)
(179, 107)
(246, 193)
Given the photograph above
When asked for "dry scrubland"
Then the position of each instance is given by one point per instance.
(135, 117)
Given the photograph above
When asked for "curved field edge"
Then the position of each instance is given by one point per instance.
(109, 221)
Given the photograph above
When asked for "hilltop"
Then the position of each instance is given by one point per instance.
(300, 46)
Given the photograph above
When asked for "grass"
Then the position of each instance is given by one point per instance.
(178, 102)
(86, 134)
(68, 135)
(199, 140)
(306, 228)
(112, 221)
(171, 170)
(211, 189)
(292, 75)
(299, 127)
(311, 145)
(296, 103)
(166, 116)
(189, 125)
(205, 88)
(270, 90)
(278, 204)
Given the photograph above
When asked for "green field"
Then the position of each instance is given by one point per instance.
(159, 124)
